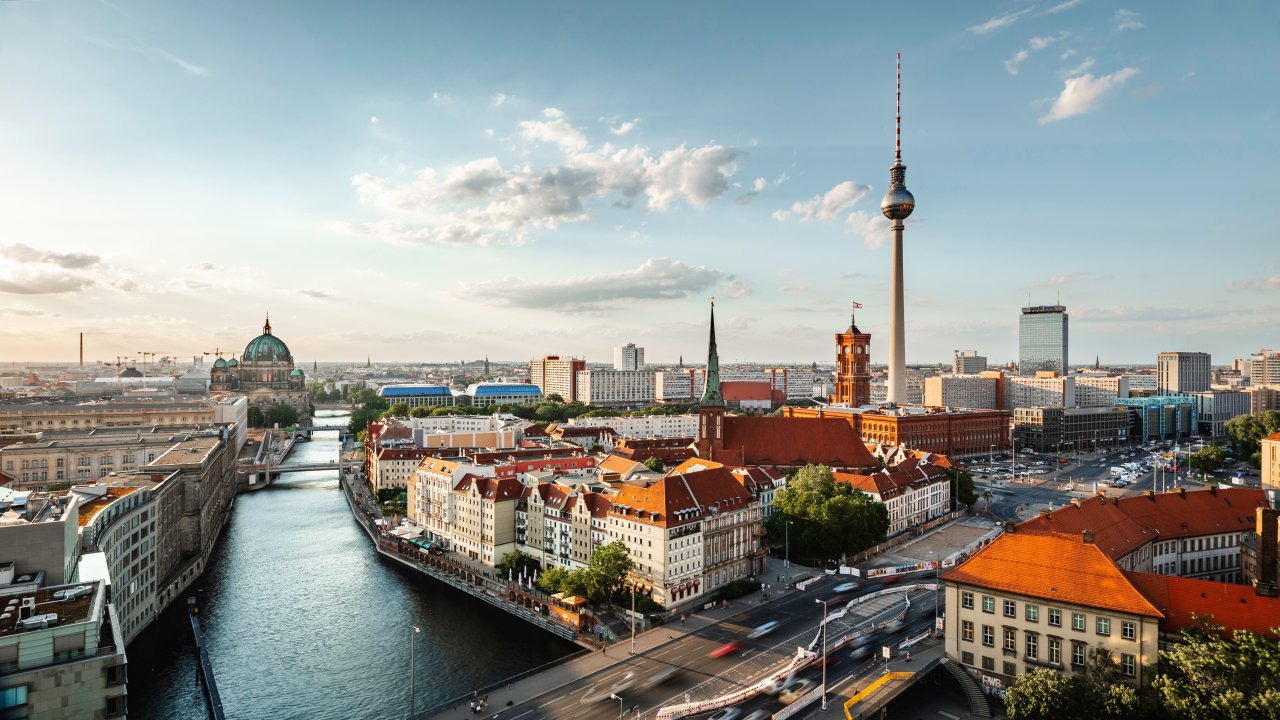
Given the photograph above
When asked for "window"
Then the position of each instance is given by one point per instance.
(1077, 621)
(988, 663)
(966, 658)
(966, 600)
(1010, 608)
(966, 630)
(1033, 612)
(1104, 626)
(988, 636)
(13, 697)
(1128, 630)
(1055, 617)
(1033, 646)
(1128, 664)
(1011, 640)
(988, 604)
(1010, 668)
(1077, 654)
(1055, 651)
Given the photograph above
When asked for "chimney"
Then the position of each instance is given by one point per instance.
(1087, 537)
(1182, 492)
(1151, 494)
(1010, 527)
(1044, 513)
(1075, 502)
(1266, 583)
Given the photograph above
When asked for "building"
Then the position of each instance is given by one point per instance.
(72, 666)
(968, 362)
(1264, 368)
(391, 467)
(1215, 407)
(963, 391)
(1055, 429)
(673, 386)
(126, 412)
(1270, 455)
(949, 432)
(751, 396)
(628, 357)
(265, 374)
(416, 395)
(617, 388)
(913, 494)
(1182, 372)
(1141, 382)
(1046, 389)
(853, 358)
(559, 525)
(793, 383)
(897, 205)
(484, 517)
(1042, 340)
(647, 426)
(1100, 390)
(430, 502)
(555, 375)
(488, 394)
(1161, 417)
(1263, 398)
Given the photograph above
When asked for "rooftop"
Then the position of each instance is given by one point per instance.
(503, 390)
(1234, 607)
(77, 609)
(90, 507)
(397, 391)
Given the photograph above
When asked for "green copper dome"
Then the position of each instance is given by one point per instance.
(219, 363)
(295, 373)
(267, 348)
(232, 362)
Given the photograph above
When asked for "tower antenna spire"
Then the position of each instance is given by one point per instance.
(897, 135)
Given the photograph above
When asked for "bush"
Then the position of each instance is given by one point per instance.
(736, 589)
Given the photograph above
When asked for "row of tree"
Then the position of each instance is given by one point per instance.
(597, 582)
(1207, 676)
(282, 415)
(821, 519)
(1246, 433)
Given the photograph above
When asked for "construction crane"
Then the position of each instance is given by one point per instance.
(216, 351)
(121, 360)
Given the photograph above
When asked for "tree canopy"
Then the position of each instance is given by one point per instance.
(282, 415)
(603, 575)
(1099, 693)
(962, 490)
(1208, 676)
(1210, 459)
(828, 519)
(1246, 431)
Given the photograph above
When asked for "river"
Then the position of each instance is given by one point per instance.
(304, 620)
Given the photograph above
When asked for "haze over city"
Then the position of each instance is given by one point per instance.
(452, 181)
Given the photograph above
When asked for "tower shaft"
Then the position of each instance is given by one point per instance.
(897, 390)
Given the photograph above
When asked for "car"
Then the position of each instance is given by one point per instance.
(845, 587)
(796, 690)
(758, 715)
(862, 652)
(662, 676)
(623, 684)
(729, 713)
(890, 579)
(764, 629)
(839, 599)
(728, 648)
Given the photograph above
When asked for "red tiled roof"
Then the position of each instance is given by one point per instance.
(597, 504)
(680, 498)
(495, 489)
(1234, 607)
(891, 483)
(737, 391)
(1054, 567)
(1123, 525)
(1273, 436)
(793, 441)
(618, 464)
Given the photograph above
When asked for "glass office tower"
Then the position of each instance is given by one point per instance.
(1042, 340)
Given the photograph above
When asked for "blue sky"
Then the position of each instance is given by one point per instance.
(453, 180)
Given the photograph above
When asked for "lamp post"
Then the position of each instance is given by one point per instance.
(633, 618)
(619, 699)
(786, 532)
(824, 651)
(413, 647)
(936, 566)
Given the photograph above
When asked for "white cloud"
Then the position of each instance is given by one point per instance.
(1127, 20)
(373, 120)
(1269, 283)
(757, 185)
(1035, 44)
(999, 21)
(42, 282)
(1189, 75)
(191, 68)
(873, 227)
(488, 132)
(654, 279)
(738, 289)
(1084, 66)
(1011, 65)
(483, 202)
(1062, 6)
(1040, 43)
(624, 127)
(29, 255)
(317, 294)
(498, 100)
(1081, 94)
(825, 207)
(438, 96)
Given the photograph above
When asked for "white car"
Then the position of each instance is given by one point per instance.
(764, 629)
(845, 587)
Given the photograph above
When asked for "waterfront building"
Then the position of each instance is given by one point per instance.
(1182, 372)
(555, 375)
(913, 493)
(72, 667)
(265, 374)
(391, 467)
(628, 357)
(1215, 407)
(853, 358)
(430, 490)
(1054, 429)
(59, 417)
(484, 517)
(488, 394)
(968, 362)
(1161, 417)
(618, 388)
(416, 395)
(561, 525)
(1042, 340)
(964, 391)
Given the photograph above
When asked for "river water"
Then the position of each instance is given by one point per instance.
(304, 620)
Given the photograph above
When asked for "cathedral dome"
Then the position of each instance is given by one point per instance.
(267, 348)
(232, 363)
(219, 363)
(295, 373)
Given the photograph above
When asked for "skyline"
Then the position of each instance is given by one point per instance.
(550, 180)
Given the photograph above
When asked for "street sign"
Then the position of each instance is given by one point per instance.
(886, 652)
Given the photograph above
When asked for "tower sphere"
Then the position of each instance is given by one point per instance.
(898, 203)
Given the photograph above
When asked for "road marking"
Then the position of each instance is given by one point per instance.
(526, 712)
(948, 715)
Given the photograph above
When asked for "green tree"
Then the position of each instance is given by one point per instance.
(962, 490)
(256, 417)
(555, 398)
(1099, 693)
(553, 579)
(1246, 431)
(654, 464)
(1208, 460)
(420, 411)
(1041, 694)
(1208, 676)
(828, 519)
(515, 563)
(282, 415)
(607, 569)
(398, 410)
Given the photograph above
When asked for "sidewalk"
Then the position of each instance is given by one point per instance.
(553, 677)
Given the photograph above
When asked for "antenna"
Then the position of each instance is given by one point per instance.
(897, 135)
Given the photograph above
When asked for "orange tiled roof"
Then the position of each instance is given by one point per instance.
(680, 498)
(1273, 436)
(893, 482)
(784, 441)
(1053, 567)
(1123, 525)
(618, 464)
(493, 489)
(1234, 607)
(737, 391)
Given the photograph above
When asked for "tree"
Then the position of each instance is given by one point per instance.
(1208, 460)
(606, 570)
(515, 563)
(829, 519)
(552, 579)
(1209, 676)
(420, 411)
(1040, 694)
(1100, 693)
(555, 398)
(654, 464)
(282, 415)
(398, 410)
(1246, 431)
(256, 417)
(961, 488)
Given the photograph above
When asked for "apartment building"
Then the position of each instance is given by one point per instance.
(650, 426)
(968, 362)
(913, 493)
(1270, 453)
(557, 375)
(1043, 390)
(1100, 390)
(430, 493)
(560, 525)
(673, 386)
(619, 388)
(484, 517)
(1182, 372)
(628, 357)
(962, 391)
(391, 467)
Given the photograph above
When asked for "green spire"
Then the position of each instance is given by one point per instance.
(711, 397)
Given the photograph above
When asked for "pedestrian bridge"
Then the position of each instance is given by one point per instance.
(300, 467)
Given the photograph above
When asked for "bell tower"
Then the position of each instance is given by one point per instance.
(853, 356)
(710, 438)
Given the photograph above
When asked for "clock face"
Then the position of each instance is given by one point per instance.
(859, 349)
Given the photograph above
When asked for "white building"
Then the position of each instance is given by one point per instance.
(1100, 390)
(1141, 381)
(615, 387)
(961, 391)
(1181, 372)
(1216, 407)
(651, 426)
(673, 386)
(628, 357)
(912, 495)
(969, 362)
(1263, 368)
(1022, 392)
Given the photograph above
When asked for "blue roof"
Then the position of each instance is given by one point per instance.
(503, 390)
(398, 391)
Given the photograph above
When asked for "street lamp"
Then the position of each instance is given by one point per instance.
(413, 647)
(936, 566)
(824, 651)
(786, 532)
(619, 699)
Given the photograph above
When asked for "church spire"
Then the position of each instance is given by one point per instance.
(711, 397)
(266, 326)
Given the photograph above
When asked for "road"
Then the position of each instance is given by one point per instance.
(686, 672)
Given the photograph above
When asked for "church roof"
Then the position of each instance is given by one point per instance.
(267, 348)
(793, 441)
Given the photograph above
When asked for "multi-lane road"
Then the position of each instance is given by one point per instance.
(683, 669)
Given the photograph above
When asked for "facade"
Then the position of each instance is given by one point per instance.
(968, 362)
(1100, 390)
(649, 426)
(628, 357)
(555, 375)
(265, 374)
(1263, 398)
(1042, 340)
(1161, 417)
(484, 517)
(853, 373)
(488, 394)
(415, 395)
(1270, 453)
(1215, 407)
(673, 386)
(935, 430)
(85, 456)
(1264, 368)
(962, 391)
(391, 467)
(1058, 429)
(619, 388)
(559, 525)
(793, 383)
(1046, 389)
(125, 412)
(1143, 382)
(1182, 372)
(913, 495)
(431, 502)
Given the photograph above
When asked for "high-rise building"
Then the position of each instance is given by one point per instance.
(897, 205)
(969, 362)
(628, 357)
(1264, 368)
(556, 375)
(1042, 340)
(1178, 372)
(853, 354)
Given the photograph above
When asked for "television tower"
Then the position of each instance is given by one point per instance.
(897, 206)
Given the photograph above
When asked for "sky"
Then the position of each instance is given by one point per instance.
(455, 180)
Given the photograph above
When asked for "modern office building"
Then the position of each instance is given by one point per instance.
(963, 391)
(628, 357)
(617, 388)
(555, 375)
(1161, 417)
(1059, 429)
(1182, 372)
(1216, 407)
(969, 362)
(416, 395)
(1042, 340)
(496, 393)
